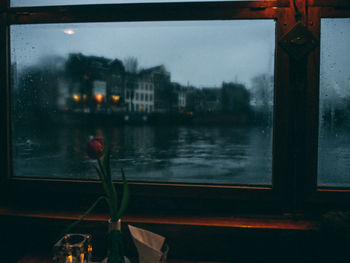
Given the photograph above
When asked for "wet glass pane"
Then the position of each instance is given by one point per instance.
(177, 101)
(17, 3)
(334, 117)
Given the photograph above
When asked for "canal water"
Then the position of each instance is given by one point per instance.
(181, 154)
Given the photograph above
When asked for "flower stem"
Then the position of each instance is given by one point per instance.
(87, 212)
(110, 192)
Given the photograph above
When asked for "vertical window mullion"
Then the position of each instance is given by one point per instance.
(4, 102)
(297, 101)
(311, 109)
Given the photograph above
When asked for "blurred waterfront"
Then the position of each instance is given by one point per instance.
(188, 154)
(172, 110)
(188, 112)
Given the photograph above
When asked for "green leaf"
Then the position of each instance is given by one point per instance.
(126, 196)
(103, 181)
(104, 165)
(87, 212)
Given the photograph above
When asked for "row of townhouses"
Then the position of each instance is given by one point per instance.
(100, 84)
(96, 84)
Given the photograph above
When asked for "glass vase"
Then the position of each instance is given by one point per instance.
(115, 250)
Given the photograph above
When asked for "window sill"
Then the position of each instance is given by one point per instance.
(192, 238)
(240, 222)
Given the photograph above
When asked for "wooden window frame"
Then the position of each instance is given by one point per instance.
(294, 186)
(322, 198)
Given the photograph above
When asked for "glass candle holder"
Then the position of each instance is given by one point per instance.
(73, 248)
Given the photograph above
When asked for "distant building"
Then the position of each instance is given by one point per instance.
(212, 99)
(180, 97)
(139, 93)
(131, 85)
(98, 83)
(235, 98)
(161, 93)
(204, 100)
(145, 95)
(115, 85)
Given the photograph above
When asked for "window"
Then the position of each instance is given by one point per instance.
(241, 101)
(334, 114)
(230, 115)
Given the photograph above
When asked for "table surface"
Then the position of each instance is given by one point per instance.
(47, 259)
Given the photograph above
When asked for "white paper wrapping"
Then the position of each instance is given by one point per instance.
(149, 245)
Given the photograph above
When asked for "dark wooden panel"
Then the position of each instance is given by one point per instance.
(197, 242)
(334, 3)
(145, 12)
(46, 259)
(329, 12)
(264, 222)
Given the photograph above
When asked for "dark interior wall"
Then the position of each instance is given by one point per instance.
(22, 236)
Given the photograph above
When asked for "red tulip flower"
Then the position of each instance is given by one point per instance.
(95, 148)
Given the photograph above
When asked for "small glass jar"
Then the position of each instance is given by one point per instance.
(73, 248)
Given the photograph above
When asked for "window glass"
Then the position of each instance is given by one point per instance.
(18, 3)
(209, 118)
(334, 116)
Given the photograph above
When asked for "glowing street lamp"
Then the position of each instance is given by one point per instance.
(99, 97)
(76, 98)
(115, 98)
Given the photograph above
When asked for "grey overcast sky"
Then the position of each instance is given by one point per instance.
(201, 53)
(335, 58)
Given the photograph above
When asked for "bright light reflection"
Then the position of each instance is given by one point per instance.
(69, 31)
(115, 98)
(99, 97)
(76, 98)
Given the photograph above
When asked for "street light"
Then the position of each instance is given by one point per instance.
(99, 97)
(76, 98)
(115, 98)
